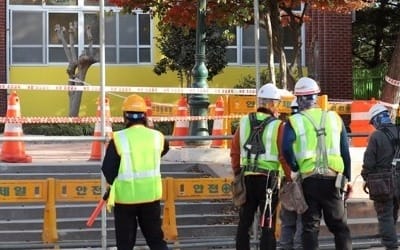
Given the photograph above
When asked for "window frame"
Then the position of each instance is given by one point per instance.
(80, 10)
(240, 47)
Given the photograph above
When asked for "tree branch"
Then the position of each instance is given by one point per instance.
(60, 35)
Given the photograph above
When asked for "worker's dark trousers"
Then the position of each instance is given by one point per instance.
(324, 198)
(387, 213)
(255, 198)
(147, 215)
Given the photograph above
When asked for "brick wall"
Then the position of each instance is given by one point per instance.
(328, 53)
(3, 51)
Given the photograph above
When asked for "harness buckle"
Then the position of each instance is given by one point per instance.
(322, 170)
(321, 132)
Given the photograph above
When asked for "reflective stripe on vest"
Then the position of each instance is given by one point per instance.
(139, 177)
(268, 160)
(306, 140)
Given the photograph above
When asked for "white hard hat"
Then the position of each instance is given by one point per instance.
(376, 110)
(269, 91)
(306, 86)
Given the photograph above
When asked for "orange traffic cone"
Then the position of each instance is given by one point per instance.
(181, 127)
(218, 126)
(149, 112)
(14, 151)
(96, 145)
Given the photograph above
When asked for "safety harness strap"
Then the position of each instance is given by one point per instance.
(322, 155)
(254, 144)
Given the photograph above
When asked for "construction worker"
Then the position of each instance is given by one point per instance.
(291, 226)
(382, 157)
(255, 151)
(316, 148)
(131, 167)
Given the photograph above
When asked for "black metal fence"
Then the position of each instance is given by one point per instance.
(367, 83)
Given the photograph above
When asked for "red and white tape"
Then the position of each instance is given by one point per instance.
(391, 105)
(161, 90)
(392, 81)
(112, 119)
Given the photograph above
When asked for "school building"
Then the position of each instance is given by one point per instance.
(30, 53)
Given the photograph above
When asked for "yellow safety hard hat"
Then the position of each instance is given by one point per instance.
(134, 103)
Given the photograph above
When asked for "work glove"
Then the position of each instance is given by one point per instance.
(295, 176)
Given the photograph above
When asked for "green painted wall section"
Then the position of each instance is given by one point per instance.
(55, 103)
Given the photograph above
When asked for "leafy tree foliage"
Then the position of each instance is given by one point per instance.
(249, 81)
(374, 34)
(178, 48)
(229, 13)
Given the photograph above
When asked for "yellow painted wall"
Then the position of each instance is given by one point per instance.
(55, 103)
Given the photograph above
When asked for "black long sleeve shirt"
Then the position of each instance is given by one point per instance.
(379, 152)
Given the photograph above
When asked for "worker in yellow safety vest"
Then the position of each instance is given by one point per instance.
(131, 167)
(316, 148)
(255, 152)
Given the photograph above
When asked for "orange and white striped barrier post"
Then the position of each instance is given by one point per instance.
(181, 128)
(218, 125)
(360, 121)
(95, 154)
(14, 151)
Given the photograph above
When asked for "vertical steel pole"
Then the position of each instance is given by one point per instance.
(103, 115)
(198, 103)
(257, 45)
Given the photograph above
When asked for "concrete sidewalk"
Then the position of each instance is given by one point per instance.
(217, 159)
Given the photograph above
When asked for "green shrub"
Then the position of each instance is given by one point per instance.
(58, 129)
(165, 127)
(80, 129)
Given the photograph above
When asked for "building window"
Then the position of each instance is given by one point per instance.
(27, 37)
(55, 49)
(241, 50)
(34, 39)
(44, 2)
(96, 3)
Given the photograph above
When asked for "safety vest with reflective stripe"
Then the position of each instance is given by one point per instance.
(269, 160)
(306, 140)
(139, 177)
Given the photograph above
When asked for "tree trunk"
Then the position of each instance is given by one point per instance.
(75, 98)
(77, 67)
(271, 61)
(391, 89)
(277, 43)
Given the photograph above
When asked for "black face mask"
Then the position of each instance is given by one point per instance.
(379, 119)
(306, 102)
